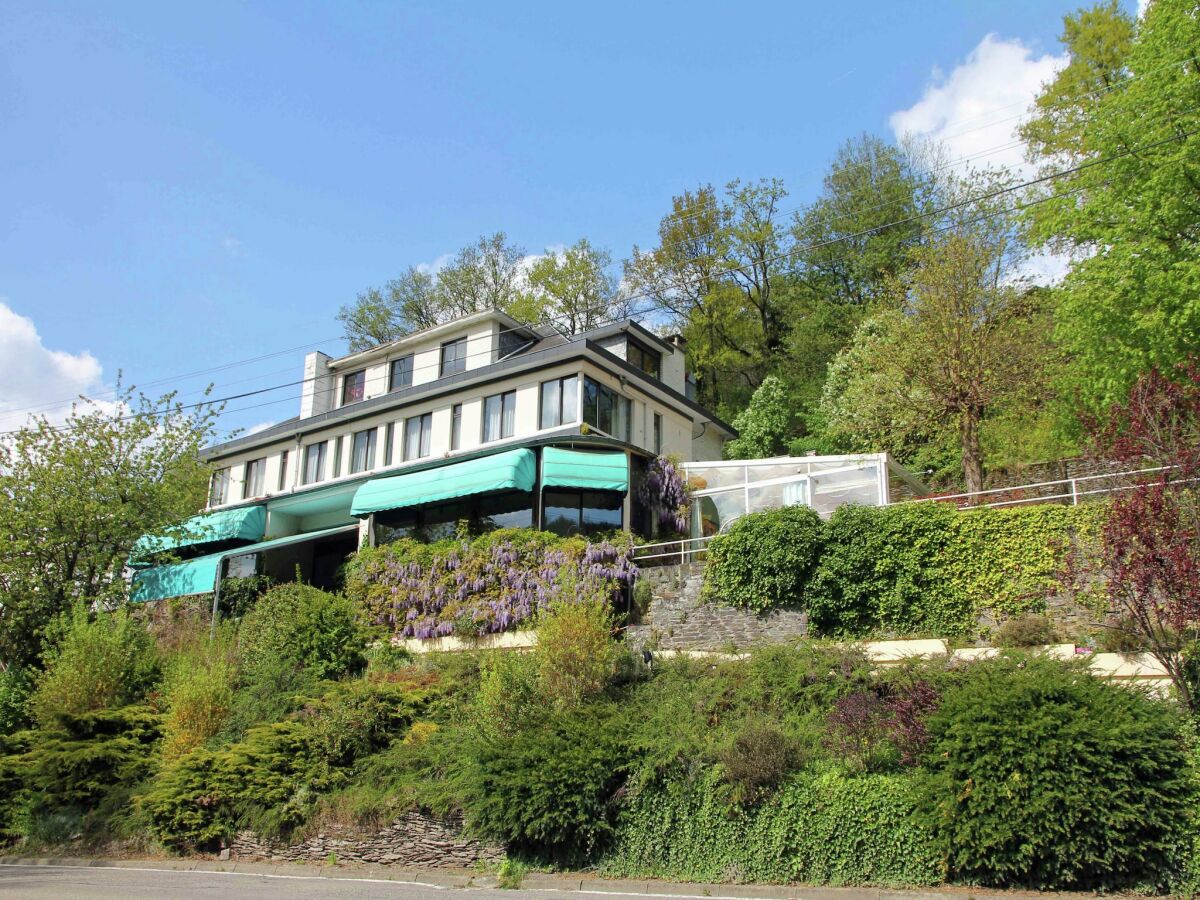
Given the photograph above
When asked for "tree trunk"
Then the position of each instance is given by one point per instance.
(972, 456)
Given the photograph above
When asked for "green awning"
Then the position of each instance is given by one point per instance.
(199, 576)
(246, 523)
(196, 576)
(592, 471)
(512, 470)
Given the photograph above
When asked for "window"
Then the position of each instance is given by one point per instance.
(314, 463)
(353, 386)
(456, 426)
(511, 342)
(512, 509)
(337, 456)
(499, 416)
(362, 451)
(605, 409)
(283, 466)
(417, 433)
(400, 374)
(649, 361)
(388, 437)
(560, 402)
(218, 487)
(454, 356)
(657, 433)
(581, 512)
(252, 484)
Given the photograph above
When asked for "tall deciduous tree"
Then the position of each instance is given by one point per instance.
(1131, 109)
(74, 499)
(575, 289)
(405, 304)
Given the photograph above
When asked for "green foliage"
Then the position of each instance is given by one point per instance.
(197, 694)
(94, 662)
(575, 654)
(765, 559)
(15, 687)
(75, 496)
(1030, 630)
(928, 568)
(238, 595)
(820, 828)
(764, 425)
(1043, 776)
(510, 874)
(318, 631)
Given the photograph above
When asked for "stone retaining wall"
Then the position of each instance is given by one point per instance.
(412, 840)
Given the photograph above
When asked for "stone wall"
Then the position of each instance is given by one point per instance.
(677, 619)
(412, 840)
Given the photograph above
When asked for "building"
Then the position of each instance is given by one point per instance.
(482, 419)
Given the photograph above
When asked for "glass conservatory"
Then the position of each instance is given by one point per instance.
(723, 490)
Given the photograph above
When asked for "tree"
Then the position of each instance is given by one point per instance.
(483, 275)
(1151, 538)
(965, 337)
(75, 498)
(575, 289)
(404, 305)
(1128, 107)
(764, 426)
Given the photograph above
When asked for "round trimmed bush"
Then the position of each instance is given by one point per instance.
(1043, 776)
(765, 559)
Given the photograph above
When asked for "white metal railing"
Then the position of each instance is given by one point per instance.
(1070, 490)
(683, 549)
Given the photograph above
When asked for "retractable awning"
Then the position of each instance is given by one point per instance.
(247, 523)
(592, 471)
(512, 470)
(199, 576)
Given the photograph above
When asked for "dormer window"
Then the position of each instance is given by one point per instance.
(454, 357)
(649, 361)
(354, 386)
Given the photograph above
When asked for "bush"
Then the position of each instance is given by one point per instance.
(764, 561)
(96, 662)
(819, 828)
(758, 758)
(1032, 630)
(16, 685)
(198, 693)
(1043, 776)
(509, 695)
(298, 623)
(575, 655)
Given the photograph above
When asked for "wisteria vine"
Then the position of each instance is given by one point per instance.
(664, 492)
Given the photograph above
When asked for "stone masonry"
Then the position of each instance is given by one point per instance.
(679, 620)
(412, 840)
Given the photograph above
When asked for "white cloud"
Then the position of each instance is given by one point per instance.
(34, 378)
(261, 426)
(432, 268)
(975, 110)
(234, 248)
(1143, 5)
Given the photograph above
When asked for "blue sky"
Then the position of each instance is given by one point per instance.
(187, 185)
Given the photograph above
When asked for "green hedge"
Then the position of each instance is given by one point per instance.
(911, 568)
(820, 828)
(765, 560)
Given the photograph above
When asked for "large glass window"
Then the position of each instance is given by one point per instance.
(362, 452)
(456, 426)
(649, 361)
(499, 416)
(389, 436)
(454, 356)
(218, 487)
(400, 373)
(314, 462)
(418, 433)
(254, 482)
(605, 409)
(513, 509)
(581, 512)
(353, 386)
(337, 456)
(560, 402)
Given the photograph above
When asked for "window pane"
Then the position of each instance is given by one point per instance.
(551, 404)
(508, 419)
(456, 426)
(352, 387)
(442, 521)
(426, 433)
(621, 417)
(283, 469)
(719, 510)
(600, 512)
(314, 462)
(362, 456)
(513, 510)
(570, 400)
(412, 438)
(454, 356)
(254, 478)
(388, 437)
(657, 433)
(605, 419)
(491, 418)
(402, 372)
(560, 512)
(591, 402)
(393, 524)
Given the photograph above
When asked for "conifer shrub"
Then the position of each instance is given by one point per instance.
(765, 560)
(1042, 776)
(94, 662)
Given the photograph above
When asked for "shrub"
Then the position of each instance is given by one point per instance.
(758, 758)
(314, 629)
(198, 693)
(15, 687)
(1031, 630)
(1045, 777)
(547, 790)
(819, 828)
(575, 655)
(509, 695)
(97, 662)
(238, 595)
(765, 560)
